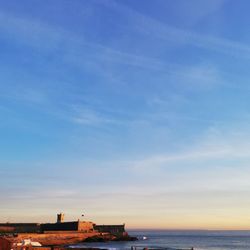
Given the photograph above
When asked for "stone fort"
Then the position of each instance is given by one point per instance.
(61, 226)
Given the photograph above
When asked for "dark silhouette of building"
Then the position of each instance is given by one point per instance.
(112, 229)
(60, 218)
(19, 227)
(80, 226)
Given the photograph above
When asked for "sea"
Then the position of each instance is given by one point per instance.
(199, 240)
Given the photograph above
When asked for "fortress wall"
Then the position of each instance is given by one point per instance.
(112, 229)
(65, 226)
(19, 227)
(86, 226)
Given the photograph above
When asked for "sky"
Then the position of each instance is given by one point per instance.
(126, 111)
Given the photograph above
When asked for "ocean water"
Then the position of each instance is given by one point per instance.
(200, 240)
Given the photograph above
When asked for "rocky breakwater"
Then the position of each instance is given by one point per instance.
(48, 239)
(110, 237)
(59, 239)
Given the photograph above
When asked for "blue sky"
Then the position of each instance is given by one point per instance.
(126, 111)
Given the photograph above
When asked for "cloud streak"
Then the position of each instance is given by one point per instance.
(208, 150)
(75, 49)
(153, 27)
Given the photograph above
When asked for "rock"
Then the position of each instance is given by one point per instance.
(125, 238)
(94, 239)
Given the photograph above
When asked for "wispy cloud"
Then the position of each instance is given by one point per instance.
(29, 31)
(153, 27)
(193, 11)
(28, 94)
(76, 49)
(87, 116)
(209, 148)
